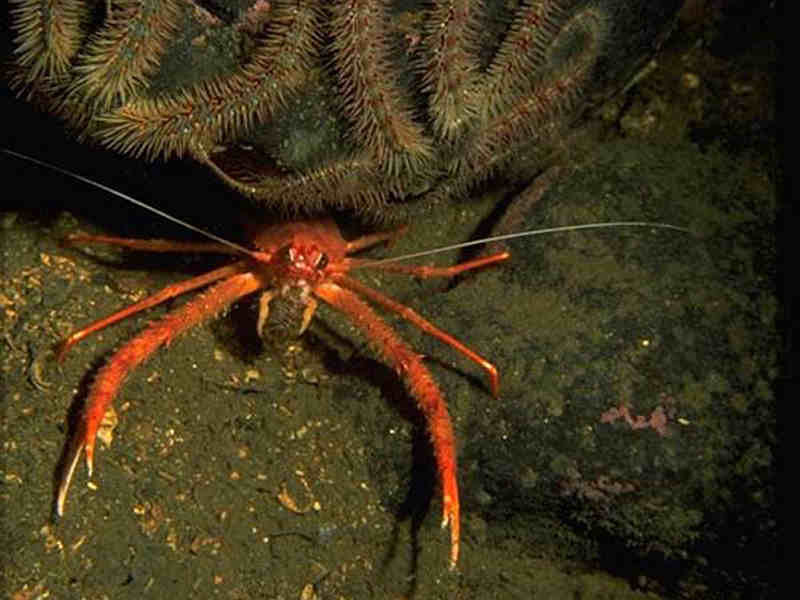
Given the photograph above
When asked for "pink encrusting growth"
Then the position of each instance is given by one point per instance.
(657, 421)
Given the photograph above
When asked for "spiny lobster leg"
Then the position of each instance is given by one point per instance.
(171, 291)
(367, 241)
(422, 387)
(414, 317)
(154, 245)
(112, 375)
(426, 271)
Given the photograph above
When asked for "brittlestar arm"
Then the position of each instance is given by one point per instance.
(129, 356)
(422, 387)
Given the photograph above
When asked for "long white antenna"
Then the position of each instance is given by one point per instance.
(132, 200)
(360, 265)
(529, 233)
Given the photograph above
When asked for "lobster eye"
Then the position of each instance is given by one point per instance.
(284, 255)
(322, 261)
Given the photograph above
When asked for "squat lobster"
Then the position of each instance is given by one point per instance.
(301, 262)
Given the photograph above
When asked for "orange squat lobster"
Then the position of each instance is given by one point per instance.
(301, 262)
